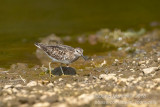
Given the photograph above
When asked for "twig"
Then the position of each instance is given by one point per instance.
(22, 79)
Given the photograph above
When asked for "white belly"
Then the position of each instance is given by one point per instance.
(61, 61)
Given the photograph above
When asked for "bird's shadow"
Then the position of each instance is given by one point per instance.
(66, 70)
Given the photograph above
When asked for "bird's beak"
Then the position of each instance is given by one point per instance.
(84, 58)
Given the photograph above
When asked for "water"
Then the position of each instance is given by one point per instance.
(24, 22)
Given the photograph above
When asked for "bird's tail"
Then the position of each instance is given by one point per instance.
(39, 45)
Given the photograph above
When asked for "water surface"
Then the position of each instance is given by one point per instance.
(24, 22)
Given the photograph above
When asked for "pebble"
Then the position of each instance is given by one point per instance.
(62, 105)
(60, 79)
(85, 99)
(50, 85)
(158, 88)
(9, 91)
(158, 59)
(157, 80)
(15, 90)
(141, 62)
(149, 70)
(108, 77)
(45, 104)
(32, 83)
(18, 86)
(8, 86)
(68, 85)
(43, 97)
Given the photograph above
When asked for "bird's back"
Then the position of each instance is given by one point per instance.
(58, 53)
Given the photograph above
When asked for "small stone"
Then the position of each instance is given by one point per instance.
(32, 83)
(45, 104)
(132, 70)
(68, 85)
(8, 98)
(60, 79)
(43, 97)
(18, 86)
(85, 99)
(158, 59)
(149, 70)
(116, 60)
(15, 90)
(134, 62)
(9, 91)
(85, 79)
(62, 105)
(108, 77)
(157, 80)
(50, 85)
(158, 88)
(141, 62)
(8, 86)
(143, 66)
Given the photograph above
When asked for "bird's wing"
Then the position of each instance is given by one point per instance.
(59, 52)
(63, 46)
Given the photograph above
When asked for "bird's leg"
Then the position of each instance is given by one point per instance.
(50, 70)
(61, 69)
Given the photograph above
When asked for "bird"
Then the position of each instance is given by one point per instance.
(63, 54)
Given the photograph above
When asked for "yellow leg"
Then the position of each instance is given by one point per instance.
(50, 70)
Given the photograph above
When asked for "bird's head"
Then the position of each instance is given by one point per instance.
(79, 52)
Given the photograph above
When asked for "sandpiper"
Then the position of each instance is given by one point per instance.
(61, 53)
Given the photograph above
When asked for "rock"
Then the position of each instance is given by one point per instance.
(108, 77)
(149, 70)
(15, 90)
(60, 79)
(158, 88)
(123, 79)
(43, 97)
(50, 85)
(157, 80)
(8, 98)
(45, 104)
(134, 62)
(8, 91)
(158, 59)
(8, 86)
(141, 62)
(85, 99)
(62, 105)
(68, 85)
(18, 86)
(32, 83)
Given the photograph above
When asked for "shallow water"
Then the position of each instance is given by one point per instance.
(24, 22)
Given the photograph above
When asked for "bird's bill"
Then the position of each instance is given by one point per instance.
(84, 58)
